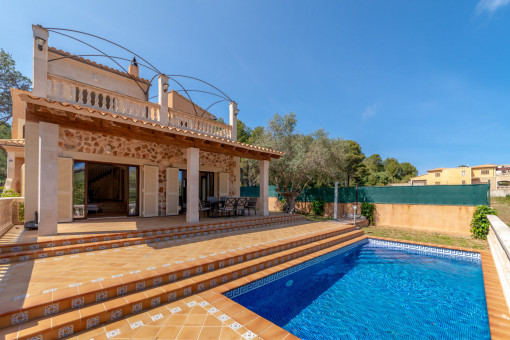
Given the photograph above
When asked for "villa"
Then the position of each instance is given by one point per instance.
(117, 184)
(87, 142)
(497, 175)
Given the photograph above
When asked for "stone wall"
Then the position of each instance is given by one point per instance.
(71, 140)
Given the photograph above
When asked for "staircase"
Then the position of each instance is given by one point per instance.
(19, 252)
(69, 311)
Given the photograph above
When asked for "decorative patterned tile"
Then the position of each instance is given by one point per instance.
(18, 318)
(116, 314)
(77, 302)
(136, 308)
(136, 324)
(157, 317)
(113, 333)
(65, 331)
(443, 252)
(235, 326)
(92, 322)
(249, 335)
(51, 309)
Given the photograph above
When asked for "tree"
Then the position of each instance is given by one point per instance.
(374, 163)
(5, 133)
(304, 158)
(407, 171)
(243, 132)
(353, 160)
(9, 77)
(392, 166)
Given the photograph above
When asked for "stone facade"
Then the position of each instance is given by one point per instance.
(72, 140)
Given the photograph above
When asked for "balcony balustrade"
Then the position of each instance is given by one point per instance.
(73, 92)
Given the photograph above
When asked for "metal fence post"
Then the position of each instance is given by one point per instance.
(335, 207)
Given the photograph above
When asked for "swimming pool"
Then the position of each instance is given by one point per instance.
(375, 289)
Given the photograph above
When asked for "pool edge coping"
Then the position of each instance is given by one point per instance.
(497, 309)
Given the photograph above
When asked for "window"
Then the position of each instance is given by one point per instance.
(438, 174)
(463, 182)
(463, 173)
(485, 172)
(438, 183)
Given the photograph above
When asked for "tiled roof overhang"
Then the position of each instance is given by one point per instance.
(93, 63)
(80, 117)
(16, 145)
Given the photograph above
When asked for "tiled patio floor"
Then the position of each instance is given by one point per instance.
(47, 275)
(110, 225)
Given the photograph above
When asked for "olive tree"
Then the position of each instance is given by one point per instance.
(304, 159)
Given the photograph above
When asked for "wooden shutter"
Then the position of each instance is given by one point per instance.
(65, 190)
(150, 190)
(172, 191)
(224, 184)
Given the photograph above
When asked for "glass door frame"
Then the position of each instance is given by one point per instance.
(86, 184)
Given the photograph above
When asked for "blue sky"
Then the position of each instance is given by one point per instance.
(422, 81)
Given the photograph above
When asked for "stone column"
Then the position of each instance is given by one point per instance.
(31, 170)
(163, 99)
(192, 185)
(9, 181)
(40, 62)
(232, 109)
(48, 178)
(264, 187)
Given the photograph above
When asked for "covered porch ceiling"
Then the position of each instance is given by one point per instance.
(82, 118)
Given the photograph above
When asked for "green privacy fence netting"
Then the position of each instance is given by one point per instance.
(476, 194)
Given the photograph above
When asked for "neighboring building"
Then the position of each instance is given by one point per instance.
(497, 175)
(86, 142)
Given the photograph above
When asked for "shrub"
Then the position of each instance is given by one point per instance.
(9, 193)
(282, 202)
(21, 212)
(480, 223)
(367, 210)
(318, 207)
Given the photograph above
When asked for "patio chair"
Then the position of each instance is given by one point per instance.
(241, 204)
(228, 207)
(204, 208)
(251, 205)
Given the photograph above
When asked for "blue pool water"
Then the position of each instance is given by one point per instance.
(375, 291)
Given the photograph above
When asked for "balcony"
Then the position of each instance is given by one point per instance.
(73, 92)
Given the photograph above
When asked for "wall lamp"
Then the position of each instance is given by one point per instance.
(236, 111)
(40, 43)
(165, 88)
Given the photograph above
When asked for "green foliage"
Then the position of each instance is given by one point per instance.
(318, 207)
(480, 223)
(9, 193)
(9, 77)
(21, 212)
(379, 172)
(367, 210)
(5, 133)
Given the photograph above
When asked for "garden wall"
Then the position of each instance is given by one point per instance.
(437, 208)
(449, 219)
(9, 207)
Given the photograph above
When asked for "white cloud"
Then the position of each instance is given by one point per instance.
(491, 6)
(370, 111)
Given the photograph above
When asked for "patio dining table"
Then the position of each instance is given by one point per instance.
(215, 206)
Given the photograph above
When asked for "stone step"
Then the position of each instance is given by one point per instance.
(70, 322)
(130, 239)
(116, 236)
(36, 306)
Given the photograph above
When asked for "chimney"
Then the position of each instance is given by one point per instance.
(133, 68)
